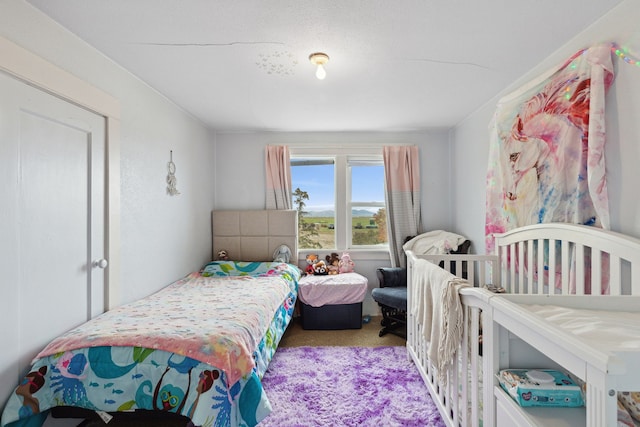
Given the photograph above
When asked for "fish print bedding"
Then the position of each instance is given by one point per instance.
(199, 347)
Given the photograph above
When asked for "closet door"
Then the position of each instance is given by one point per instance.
(52, 169)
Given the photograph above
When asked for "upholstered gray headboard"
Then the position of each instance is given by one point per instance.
(254, 235)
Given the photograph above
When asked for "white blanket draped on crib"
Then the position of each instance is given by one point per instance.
(438, 309)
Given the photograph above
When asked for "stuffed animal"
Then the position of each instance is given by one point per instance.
(282, 254)
(310, 259)
(346, 265)
(320, 268)
(223, 255)
(333, 263)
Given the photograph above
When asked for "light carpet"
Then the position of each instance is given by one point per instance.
(347, 386)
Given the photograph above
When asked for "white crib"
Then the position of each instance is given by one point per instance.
(545, 265)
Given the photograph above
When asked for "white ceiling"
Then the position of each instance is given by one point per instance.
(395, 65)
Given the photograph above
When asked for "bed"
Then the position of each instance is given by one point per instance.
(196, 349)
(553, 296)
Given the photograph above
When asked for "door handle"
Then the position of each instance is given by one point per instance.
(100, 263)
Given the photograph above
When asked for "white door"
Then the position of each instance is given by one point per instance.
(52, 195)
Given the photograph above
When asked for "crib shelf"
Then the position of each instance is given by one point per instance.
(510, 414)
(516, 352)
(519, 339)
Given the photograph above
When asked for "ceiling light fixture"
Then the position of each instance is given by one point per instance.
(319, 59)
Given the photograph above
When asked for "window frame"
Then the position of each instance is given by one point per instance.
(342, 190)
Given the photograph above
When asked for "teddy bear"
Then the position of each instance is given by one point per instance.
(333, 263)
(346, 265)
(310, 259)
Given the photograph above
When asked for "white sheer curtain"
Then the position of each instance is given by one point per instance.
(278, 185)
(402, 179)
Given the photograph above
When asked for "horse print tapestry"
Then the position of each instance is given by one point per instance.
(546, 160)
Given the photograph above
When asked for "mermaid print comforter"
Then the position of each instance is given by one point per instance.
(198, 347)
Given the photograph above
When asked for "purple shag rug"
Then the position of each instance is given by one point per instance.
(347, 386)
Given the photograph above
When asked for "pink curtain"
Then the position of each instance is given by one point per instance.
(278, 168)
(402, 179)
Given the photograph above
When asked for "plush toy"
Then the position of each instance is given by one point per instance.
(223, 255)
(346, 265)
(311, 259)
(320, 268)
(333, 263)
(282, 254)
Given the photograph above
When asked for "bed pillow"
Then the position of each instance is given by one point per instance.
(245, 268)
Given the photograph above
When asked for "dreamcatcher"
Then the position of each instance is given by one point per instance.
(171, 177)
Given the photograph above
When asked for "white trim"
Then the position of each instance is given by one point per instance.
(46, 76)
(367, 254)
(335, 150)
(342, 194)
(112, 297)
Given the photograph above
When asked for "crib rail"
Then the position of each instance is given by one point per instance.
(478, 270)
(459, 398)
(568, 259)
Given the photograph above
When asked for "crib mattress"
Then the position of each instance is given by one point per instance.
(614, 330)
(345, 288)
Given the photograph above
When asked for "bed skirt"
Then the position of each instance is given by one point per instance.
(331, 316)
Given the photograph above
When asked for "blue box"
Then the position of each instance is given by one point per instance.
(541, 387)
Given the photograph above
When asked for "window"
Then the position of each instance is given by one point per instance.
(313, 182)
(367, 211)
(340, 199)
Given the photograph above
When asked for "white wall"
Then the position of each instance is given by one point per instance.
(470, 138)
(240, 169)
(165, 237)
(240, 178)
(162, 237)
